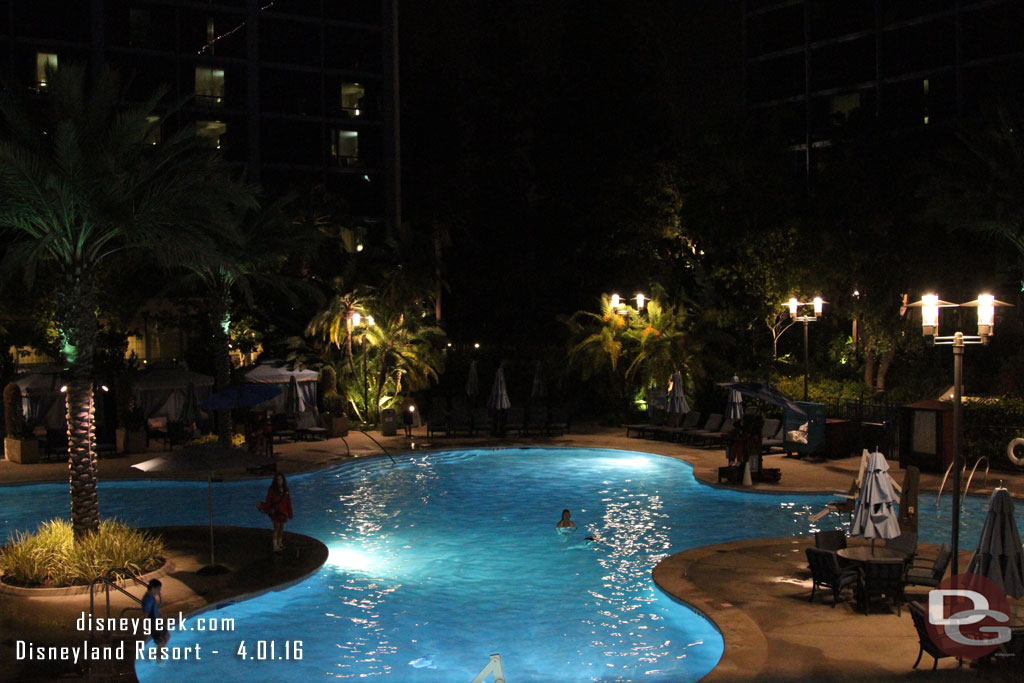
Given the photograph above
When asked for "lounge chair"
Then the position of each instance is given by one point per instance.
(156, 429)
(929, 573)
(282, 426)
(919, 614)
(840, 507)
(771, 435)
(830, 540)
(536, 419)
(708, 437)
(480, 421)
(711, 425)
(460, 419)
(826, 572)
(881, 578)
(656, 421)
(514, 420)
(558, 420)
(308, 427)
(689, 423)
(438, 420)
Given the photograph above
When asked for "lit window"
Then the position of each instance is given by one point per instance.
(845, 104)
(345, 146)
(352, 95)
(209, 85)
(43, 60)
(211, 132)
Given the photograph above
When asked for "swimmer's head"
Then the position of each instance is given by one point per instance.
(565, 515)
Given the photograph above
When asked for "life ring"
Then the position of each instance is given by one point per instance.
(1019, 441)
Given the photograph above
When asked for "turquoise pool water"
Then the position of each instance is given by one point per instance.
(445, 558)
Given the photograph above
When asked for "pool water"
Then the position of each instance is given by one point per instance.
(443, 559)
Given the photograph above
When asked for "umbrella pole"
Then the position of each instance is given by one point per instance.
(209, 505)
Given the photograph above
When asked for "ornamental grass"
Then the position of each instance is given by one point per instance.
(49, 557)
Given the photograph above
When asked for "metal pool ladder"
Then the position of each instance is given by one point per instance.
(967, 488)
(493, 667)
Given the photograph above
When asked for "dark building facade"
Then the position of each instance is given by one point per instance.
(302, 92)
(910, 63)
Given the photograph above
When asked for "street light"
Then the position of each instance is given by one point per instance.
(930, 305)
(794, 306)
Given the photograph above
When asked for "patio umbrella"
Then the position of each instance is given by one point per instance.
(734, 410)
(677, 404)
(765, 392)
(999, 556)
(539, 389)
(472, 382)
(291, 397)
(241, 396)
(874, 514)
(498, 399)
(208, 460)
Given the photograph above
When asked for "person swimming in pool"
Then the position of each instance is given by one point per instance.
(565, 524)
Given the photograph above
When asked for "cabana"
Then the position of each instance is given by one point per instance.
(298, 387)
(41, 397)
(162, 390)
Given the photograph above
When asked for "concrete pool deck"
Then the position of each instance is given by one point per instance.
(755, 591)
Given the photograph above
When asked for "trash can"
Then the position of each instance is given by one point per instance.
(388, 422)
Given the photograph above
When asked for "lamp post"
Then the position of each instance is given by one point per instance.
(930, 305)
(794, 306)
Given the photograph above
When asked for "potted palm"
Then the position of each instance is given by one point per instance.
(20, 445)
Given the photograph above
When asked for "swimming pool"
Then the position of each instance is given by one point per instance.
(445, 558)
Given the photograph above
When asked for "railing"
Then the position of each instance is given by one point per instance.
(379, 444)
(974, 469)
(493, 667)
(109, 583)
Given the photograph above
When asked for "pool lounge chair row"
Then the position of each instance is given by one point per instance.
(536, 420)
(714, 432)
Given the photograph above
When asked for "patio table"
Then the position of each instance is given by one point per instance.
(864, 553)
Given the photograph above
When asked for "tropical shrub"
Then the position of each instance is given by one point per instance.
(50, 556)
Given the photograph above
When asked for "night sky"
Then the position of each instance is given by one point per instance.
(520, 121)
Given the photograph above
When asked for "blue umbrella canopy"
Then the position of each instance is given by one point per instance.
(241, 396)
(874, 513)
(498, 399)
(765, 392)
(999, 556)
(677, 404)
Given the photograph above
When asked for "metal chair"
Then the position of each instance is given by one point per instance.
(826, 572)
(881, 578)
(830, 540)
(929, 573)
(925, 642)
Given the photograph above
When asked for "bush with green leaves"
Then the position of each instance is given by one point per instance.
(237, 440)
(50, 556)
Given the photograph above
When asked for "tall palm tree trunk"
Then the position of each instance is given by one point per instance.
(76, 314)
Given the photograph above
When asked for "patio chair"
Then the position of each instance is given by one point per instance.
(771, 435)
(712, 425)
(282, 426)
(55, 444)
(929, 574)
(830, 540)
(308, 427)
(919, 614)
(905, 543)
(706, 438)
(156, 429)
(558, 420)
(536, 419)
(826, 572)
(881, 578)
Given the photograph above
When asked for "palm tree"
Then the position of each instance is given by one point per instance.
(80, 181)
(406, 350)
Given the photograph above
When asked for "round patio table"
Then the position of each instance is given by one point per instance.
(863, 553)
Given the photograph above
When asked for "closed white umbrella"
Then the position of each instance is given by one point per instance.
(875, 513)
(498, 400)
(999, 556)
(734, 410)
(677, 404)
(472, 382)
